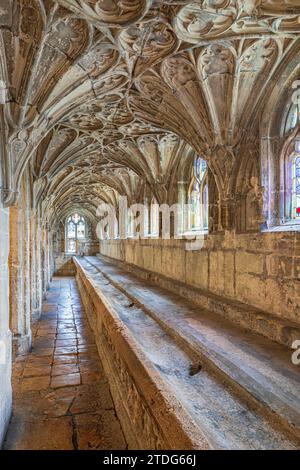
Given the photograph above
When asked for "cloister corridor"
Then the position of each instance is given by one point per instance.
(149, 227)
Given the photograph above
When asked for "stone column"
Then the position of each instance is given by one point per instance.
(19, 280)
(33, 267)
(39, 266)
(26, 264)
(51, 256)
(5, 334)
(46, 262)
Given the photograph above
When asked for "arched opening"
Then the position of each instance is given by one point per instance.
(280, 160)
(154, 218)
(198, 196)
(75, 232)
(296, 183)
(290, 177)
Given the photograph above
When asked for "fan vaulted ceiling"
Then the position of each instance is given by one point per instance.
(105, 97)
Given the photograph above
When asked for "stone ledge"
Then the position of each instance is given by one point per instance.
(266, 375)
(207, 397)
(151, 416)
(266, 324)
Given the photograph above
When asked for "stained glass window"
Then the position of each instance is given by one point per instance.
(71, 230)
(81, 229)
(75, 218)
(296, 186)
(75, 230)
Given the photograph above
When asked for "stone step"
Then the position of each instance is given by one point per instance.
(255, 367)
(194, 372)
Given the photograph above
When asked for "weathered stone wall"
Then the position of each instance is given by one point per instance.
(261, 270)
(63, 265)
(5, 335)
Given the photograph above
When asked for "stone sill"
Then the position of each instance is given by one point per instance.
(283, 228)
(153, 236)
(195, 232)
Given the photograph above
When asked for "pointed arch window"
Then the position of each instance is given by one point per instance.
(154, 218)
(75, 231)
(296, 183)
(281, 176)
(289, 209)
(198, 196)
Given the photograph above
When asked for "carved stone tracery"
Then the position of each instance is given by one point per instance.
(96, 87)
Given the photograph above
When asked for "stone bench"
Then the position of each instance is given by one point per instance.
(169, 389)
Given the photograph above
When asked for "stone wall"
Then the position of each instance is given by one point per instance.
(5, 335)
(63, 265)
(261, 270)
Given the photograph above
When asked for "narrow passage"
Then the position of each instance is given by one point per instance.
(61, 395)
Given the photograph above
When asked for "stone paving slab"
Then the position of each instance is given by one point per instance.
(61, 395)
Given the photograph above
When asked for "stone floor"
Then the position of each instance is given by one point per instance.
(61, 395)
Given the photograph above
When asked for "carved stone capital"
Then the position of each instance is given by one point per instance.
(9, 197)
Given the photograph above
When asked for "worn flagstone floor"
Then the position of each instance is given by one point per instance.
(61, 395)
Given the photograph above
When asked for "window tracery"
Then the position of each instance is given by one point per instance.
(198, 196)
(75, 231)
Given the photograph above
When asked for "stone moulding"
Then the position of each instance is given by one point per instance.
(148, 412)
(8, 197)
